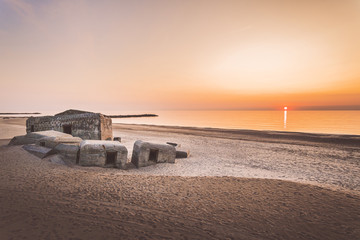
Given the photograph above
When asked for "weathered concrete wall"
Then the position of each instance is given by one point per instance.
(161, 153)
(70, 152)
(106, 128)
(85, 125)
(94, 153)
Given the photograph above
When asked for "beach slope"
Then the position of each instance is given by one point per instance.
(229, 188)
(41, 200)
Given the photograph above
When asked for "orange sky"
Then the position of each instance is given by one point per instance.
(154, 55)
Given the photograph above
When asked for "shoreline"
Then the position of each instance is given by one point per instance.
(132, 115)
(249, 134)
(320, 137)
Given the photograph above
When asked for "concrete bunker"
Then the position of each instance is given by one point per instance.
(86, 125)
(146, 153)
(153, 155)
(63, 135)
(103, 154)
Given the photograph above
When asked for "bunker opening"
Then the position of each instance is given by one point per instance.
(111, 158)
(153, 155)
(67, 129)
(32, 129)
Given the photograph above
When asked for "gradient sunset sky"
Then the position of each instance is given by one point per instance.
(188, 54)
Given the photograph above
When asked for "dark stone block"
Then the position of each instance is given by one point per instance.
(172, 144)
(182, 154)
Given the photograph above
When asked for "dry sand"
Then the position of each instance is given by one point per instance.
(188, 199)
(331, 161)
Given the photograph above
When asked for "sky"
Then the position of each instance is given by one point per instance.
(179, 55)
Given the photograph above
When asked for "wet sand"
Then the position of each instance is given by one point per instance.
(228, 189)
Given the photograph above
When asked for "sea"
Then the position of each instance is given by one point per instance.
(332, 122)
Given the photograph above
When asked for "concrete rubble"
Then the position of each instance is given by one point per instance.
(76, 144)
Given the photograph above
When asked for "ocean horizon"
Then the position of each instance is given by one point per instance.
(309, 121)
(333, 122)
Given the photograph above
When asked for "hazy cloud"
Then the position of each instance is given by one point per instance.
(24, 10)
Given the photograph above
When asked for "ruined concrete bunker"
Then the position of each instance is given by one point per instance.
(103, 154)
(86, 125)
(146, 154)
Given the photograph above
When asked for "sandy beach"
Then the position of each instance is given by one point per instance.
(236, 184)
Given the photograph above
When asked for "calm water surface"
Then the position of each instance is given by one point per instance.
(342, 122)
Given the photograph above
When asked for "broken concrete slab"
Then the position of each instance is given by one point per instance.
(21, 140)
(32, 137)
(146, 153)
(38, 151)
(52, 142)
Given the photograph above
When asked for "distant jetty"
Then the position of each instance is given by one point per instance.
(35, 113)
(8, 115)
(132, 116)
(111, 116)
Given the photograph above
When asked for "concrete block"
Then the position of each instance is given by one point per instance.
(146, 153)
(70, 152)
(103, 154)
(182, 154)
(85, 125)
